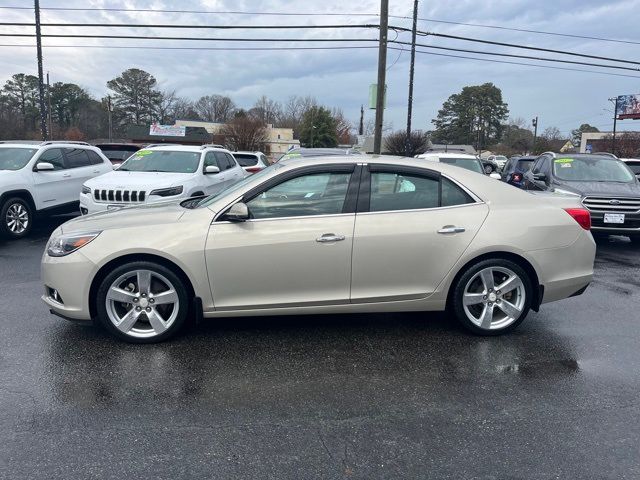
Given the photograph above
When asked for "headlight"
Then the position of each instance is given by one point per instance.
(167, 192)
(86, 189)
(62, 245)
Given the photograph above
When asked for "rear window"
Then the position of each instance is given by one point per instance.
(472, 164)
(525, 165)
(246, 160)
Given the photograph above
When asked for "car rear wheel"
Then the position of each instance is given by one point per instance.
(142, 302)
(492, 297)
(17, 218)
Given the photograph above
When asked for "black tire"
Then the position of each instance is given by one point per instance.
(488, 169)
(456, 300)
(635, 239)
(7, 213)
(177, 285)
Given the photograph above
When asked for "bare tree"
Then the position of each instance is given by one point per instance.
(266, 110)
(245, 133)
(370, 126)
(344, 127)
(215, 108)
(164, 107)
(183, 108)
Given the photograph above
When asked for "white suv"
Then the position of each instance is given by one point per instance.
(43, 178)
(252, 162)
(162, 173)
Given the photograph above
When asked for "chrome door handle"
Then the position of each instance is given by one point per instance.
(449, 229)
(330, 237)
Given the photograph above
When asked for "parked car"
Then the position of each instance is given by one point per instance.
(252, 162)
(319, 152)
(43, 178)
(605, 185)
(470, 162)
(162, 173)
(514, 169)
(499, 160)
(337, 235)
(633, 164)
(118, 152)
(489, 166)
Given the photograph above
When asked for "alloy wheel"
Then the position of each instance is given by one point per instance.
(17, 218)
(494, 298)
(142, 304)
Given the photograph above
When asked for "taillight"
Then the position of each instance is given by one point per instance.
(580, 215)
(253, 169)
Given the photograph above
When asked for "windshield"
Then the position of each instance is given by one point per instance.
(472, 164)
(246, 159)
(592, 170)
(165, 161)
(205, 202)
(15, 158)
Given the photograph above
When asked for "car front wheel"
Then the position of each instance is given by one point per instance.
(17, 218)
(492, 297)
(142, 302)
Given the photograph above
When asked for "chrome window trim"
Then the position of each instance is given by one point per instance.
(302, 217)
(423, 209)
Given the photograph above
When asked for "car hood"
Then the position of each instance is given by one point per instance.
(119, 180)
(609, 189)
(161, 213)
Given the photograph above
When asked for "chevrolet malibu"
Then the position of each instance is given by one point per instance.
(336, 235)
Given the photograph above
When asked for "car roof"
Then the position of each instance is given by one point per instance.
(39, 144)
(186, 148)
(446, 155)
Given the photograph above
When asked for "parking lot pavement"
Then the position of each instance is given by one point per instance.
(358, 396)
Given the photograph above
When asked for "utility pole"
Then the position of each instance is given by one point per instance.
(43, 109)
(408, 146)
(110, 109)
(361, 129)
(535, 133)
(615, 122)
(382, 74)
(49, 105)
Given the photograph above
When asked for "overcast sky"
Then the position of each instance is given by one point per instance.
(341, 78)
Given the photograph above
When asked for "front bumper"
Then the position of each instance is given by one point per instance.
(70, 277)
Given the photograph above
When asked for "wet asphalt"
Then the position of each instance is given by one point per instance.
(324, 397)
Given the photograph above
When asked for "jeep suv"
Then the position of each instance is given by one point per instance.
(162, 173)
(43, 178)
(605, 185)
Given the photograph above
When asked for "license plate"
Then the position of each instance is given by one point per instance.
(614, 218)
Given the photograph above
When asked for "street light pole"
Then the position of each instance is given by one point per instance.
(408, 146)
(43, 109)
(615, 122)
(110, 110)
(382, 74)
(535, 134)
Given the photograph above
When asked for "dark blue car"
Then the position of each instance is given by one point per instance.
(514, 169)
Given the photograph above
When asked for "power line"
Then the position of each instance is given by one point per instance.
(277, 27)
(351, 47)
(527, 57)
(216, 27)
(216, 39)
(518, 63)
(329, 14)
(526, 47)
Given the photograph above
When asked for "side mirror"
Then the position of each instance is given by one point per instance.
(540, 177)
(239, 212)
(211, 170)
(497, 176)
(44, 167)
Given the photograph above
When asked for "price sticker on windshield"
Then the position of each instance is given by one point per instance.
(142, 153)
(564, 162)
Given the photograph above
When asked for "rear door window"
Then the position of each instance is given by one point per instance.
(77, 158)
(94, 158)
